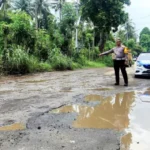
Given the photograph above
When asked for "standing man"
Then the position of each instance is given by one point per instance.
(119, 61)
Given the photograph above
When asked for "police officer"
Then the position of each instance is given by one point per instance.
(119, 61)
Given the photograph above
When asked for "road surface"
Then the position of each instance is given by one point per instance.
(74, 110)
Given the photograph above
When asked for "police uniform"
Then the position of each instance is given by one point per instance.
(120, 58)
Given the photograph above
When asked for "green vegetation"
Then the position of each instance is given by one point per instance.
(93, 64)
(33, 40)
(145, 39)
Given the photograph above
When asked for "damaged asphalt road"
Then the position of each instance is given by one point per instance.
(76, 110)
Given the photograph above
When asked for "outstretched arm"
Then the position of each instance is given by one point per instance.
(107, 52)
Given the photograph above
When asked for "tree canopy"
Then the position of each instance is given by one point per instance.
(145, 39)
(105, 15)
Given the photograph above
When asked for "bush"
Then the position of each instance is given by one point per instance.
(76, 65)
(44, 67)
(107, 60)
(22, 32)
(80, 59)
(18, 61)
(43, 45)
(36, 66)
(94, 53)
(85, 55)
(60, 61)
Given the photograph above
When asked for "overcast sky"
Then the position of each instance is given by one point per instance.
(139, 12)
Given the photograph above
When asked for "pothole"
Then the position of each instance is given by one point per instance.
(120, 112)
(111, 113)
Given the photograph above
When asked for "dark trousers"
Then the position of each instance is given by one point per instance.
(120, 64)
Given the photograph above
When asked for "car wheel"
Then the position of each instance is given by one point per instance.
(136, 76)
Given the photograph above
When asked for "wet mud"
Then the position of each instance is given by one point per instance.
(74, 110)
(123, 112)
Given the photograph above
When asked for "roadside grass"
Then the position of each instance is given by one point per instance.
(93, 64)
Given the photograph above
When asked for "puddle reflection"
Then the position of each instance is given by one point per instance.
(112, 113)
(123, 112)
(126, 141)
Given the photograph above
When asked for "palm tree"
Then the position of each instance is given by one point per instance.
(40, 9)
(23, 5)
(130, 30)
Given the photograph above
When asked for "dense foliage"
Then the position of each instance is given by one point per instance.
(32, 39)
(145, 39)
(105, 15)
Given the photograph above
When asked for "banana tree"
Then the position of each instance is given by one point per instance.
(23, 5)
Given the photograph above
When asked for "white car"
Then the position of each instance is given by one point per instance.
(142, 65)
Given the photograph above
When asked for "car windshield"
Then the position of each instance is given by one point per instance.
(145, 56)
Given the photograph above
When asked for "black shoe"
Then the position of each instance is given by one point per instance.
(125, 84)
(116, 84)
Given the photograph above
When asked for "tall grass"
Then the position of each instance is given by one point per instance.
(95, 64)
(59, 61)
(18, 61)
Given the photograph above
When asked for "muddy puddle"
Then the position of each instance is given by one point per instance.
(111, 113)
(126, 112)
(13, 127)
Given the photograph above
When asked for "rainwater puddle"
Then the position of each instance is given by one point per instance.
(123, 112)
(111, 113)
(145, 97)
(13, 127)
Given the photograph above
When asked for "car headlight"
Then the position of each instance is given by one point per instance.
(139, 64)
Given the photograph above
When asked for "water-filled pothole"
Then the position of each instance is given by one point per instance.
(124, 112)
(111, 113)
